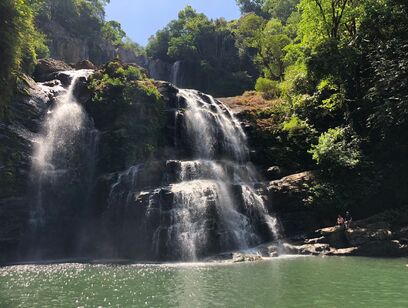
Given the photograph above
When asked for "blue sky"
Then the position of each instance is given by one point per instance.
(142, 18)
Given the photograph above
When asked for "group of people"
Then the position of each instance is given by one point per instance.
(344, 221)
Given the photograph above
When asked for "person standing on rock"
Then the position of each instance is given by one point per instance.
(348, 219)
(340, 220)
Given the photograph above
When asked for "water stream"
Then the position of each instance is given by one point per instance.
(62, 166)
(204, 200)
(210, 200)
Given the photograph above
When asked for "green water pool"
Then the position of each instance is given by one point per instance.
(281, 282)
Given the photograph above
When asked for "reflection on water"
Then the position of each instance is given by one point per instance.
(288, 282)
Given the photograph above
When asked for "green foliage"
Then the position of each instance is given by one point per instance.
(337, 149)
(208, 51)
(328, 20)
(294, 126)
(81, 18)
(112, 31)
(251, 6)
(84, 20)
(280, 9)
(342, 72)
(128, 44)
(335, 95)
(265, 42)
(271, 49)
(130, 109)
(247, 30)
(20, 44)
(268, 88)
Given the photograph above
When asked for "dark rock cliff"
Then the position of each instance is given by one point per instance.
(17, 137)
(125, 224)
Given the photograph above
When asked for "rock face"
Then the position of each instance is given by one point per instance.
(85, 64)
(16, 144)
(46, 67)
(136, 205)
(182, 202)
(192, 75)
(364, 238)
(288, 196)
(128, 56)
(72, 49)
(191, 201)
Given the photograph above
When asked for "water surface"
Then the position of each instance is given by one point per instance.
(283, 282)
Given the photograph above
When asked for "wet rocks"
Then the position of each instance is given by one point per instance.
(274, 173)
(46, 67)
(85, 64)
(306, 249)
(370, 237)
(361, 236)
(288, 196)
(243, 257)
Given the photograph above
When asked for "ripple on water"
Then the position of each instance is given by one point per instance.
(289, 282)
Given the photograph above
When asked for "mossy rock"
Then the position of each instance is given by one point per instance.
(129, 110)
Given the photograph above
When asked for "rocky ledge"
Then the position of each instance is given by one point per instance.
(371, 237)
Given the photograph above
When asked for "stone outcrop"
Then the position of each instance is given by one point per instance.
(288, 199)
(241, 257)
(362, 238)
(371, 237)
(85, 64)
(46, 67)
(274, 173)
(16, 144)
(70, 48)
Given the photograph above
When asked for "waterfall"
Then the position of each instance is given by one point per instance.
(213, 129)
(198, 198)
(62, 162)
(209, 202)
(175, 74)
(210, 184)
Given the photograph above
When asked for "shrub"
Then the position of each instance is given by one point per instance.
(336, 148)
(332, 96)
(128, 107)
(268, 88)
(294, 126)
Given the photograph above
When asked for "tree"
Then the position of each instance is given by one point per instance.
(251, 6)
(271, 49)
(20, 44)
(247, 31)
(330, 19)
(112, 31)
(207, 50)
(337, 148)
(280, 9)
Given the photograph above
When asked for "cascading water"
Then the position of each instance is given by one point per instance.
(175, 74)
(220, 172)
(62, 164)
(200, 197)
(209, 202)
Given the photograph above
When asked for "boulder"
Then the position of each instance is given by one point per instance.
(306, 249)
(274, 173)
(290, 192)
(361, 236)
(64, 77)
(45, 67)
(85, 64)
(382, 248)
(334, 236)
(288, 199)
(402, 235)
(242, 257)
(294, 183)
(342, 252)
